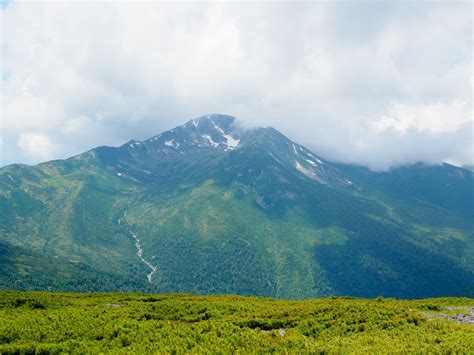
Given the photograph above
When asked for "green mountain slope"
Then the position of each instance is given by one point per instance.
(211, 208)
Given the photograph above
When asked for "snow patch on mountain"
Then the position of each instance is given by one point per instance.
(210, 140)
(308, 172)
(301, 168)
(232, 143)
(294, 148)
(311, 162)
(315, 158)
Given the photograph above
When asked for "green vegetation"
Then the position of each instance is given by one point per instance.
(248, 221)
(40, 322)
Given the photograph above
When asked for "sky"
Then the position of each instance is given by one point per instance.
(376, 83)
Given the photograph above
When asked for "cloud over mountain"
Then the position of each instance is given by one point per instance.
(379, 84)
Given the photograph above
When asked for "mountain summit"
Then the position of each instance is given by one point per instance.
(216, 138)
(216, 131)
(209, 207)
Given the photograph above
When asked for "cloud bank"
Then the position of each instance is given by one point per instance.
(374, 83)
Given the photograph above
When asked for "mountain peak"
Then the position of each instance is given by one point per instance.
(220, 133)
(212, 130)
(215, 119)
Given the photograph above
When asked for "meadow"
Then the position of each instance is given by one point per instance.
(43, 322)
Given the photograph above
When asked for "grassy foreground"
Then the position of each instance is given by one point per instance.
(41, 322)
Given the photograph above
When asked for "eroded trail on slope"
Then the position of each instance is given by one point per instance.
(140, 255)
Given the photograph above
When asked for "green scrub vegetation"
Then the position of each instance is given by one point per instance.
(42, 322)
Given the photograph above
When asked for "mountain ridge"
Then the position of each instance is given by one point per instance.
(232, 120)
(220, 209)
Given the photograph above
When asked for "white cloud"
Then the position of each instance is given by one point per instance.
(347, 79)
(434, 117)
(74, 125)
(37, 145)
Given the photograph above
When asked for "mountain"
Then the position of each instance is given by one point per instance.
(209, 207)
(469, 167)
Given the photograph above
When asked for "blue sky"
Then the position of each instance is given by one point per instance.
(5, 2)
(376, 83)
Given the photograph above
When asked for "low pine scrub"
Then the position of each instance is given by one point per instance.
(41, 322)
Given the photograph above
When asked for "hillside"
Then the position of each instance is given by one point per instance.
(134, 323)
(211, 208)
